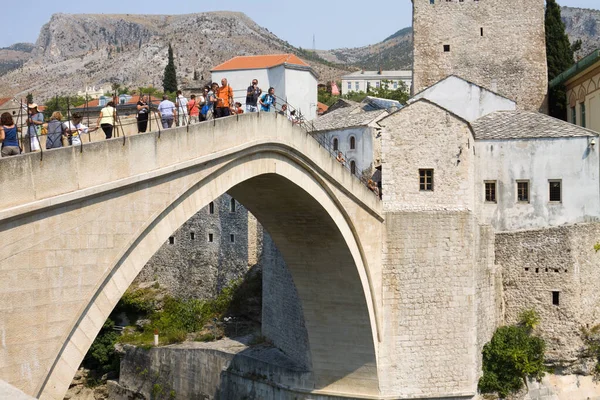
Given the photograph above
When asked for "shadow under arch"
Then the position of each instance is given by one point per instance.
(317, 243)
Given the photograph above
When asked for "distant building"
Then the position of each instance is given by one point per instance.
(360, 81)
(582, 82)
(92, 93)
(294, 80)
(351, 128)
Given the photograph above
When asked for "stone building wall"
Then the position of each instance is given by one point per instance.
(194, 267)
(537, 263)
(424, 136)
(499, 45)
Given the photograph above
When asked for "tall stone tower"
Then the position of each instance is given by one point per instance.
(497, 44)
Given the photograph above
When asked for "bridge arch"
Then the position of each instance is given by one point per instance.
(309, 222)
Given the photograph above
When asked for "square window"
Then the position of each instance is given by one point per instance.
(555, 187)
(446, 48)
(523, 191)
(431, 1)
(426, 180)
(490, 191)
(349, 85)
(171, 240)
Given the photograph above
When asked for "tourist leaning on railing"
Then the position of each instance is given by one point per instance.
(8, 136)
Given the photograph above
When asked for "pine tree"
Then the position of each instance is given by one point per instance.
(29, 98)
(170, 77)
(559, 56)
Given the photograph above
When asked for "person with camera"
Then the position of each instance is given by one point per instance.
(252, 96)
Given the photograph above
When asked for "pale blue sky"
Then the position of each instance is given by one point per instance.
(335, 23)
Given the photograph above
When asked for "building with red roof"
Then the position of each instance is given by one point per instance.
(294, 80)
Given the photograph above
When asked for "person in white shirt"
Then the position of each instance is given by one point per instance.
(75, 128)
(182, 109)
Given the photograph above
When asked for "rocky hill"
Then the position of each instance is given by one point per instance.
(584, 24)
(75, 51)
(14, 56)
(395, 52)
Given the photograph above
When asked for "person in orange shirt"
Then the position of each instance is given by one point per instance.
(224, 100)
(237, 108)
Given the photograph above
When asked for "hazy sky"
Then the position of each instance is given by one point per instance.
(335, 23)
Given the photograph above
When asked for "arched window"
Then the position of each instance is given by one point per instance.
(352, 143)
(335, 144)
(232, 207)
(353, 167)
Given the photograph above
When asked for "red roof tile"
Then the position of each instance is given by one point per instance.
(259, 62)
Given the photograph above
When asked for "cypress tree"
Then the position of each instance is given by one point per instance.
(170, 77)
(559, 57)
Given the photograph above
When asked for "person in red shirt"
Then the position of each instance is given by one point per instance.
(237, 108)
(193, 109)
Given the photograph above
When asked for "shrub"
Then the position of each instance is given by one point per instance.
(591, 339)
(509, 358)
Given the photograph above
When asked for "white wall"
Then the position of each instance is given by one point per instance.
(538, 160)
(298, 87)
(301, 91)
(363, 154)
(464, 99)
(240, 80)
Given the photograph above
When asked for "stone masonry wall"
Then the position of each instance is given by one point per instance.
(536, 263)
(429, 305)
(194, 267)
(498, 44)
(424, 136)
(282, 315)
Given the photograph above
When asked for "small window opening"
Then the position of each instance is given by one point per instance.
(431, 1)
(446, 48)
(546, 269)
(353, 167)
(171, 240)
(526, 269)
(556, 270)
(352, 143)
(555, 191)
(490, 191)
(192, 235)
(481, 31)
(335, 144)
(232, 207)
(426, 180)
(523, 191)
(537, 270)
(566, 270)
(232, 238)
(211, 208)
(210, 238)
(556, 298)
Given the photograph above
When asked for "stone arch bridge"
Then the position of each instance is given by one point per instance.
(76, 228)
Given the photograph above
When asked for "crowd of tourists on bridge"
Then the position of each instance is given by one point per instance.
(215, 101)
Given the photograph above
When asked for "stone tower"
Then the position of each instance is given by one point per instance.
(497, 44)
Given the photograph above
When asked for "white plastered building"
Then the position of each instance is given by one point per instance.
(294, 80)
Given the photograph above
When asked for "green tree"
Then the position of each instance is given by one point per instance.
(170, 76)
(513, 355)
(29, 98)
(559, 57)
(384, 92)
(63, 104)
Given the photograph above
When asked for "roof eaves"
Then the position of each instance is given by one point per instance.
(576, 68)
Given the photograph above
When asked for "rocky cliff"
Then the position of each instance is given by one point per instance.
(584, 24)
(74, 51)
